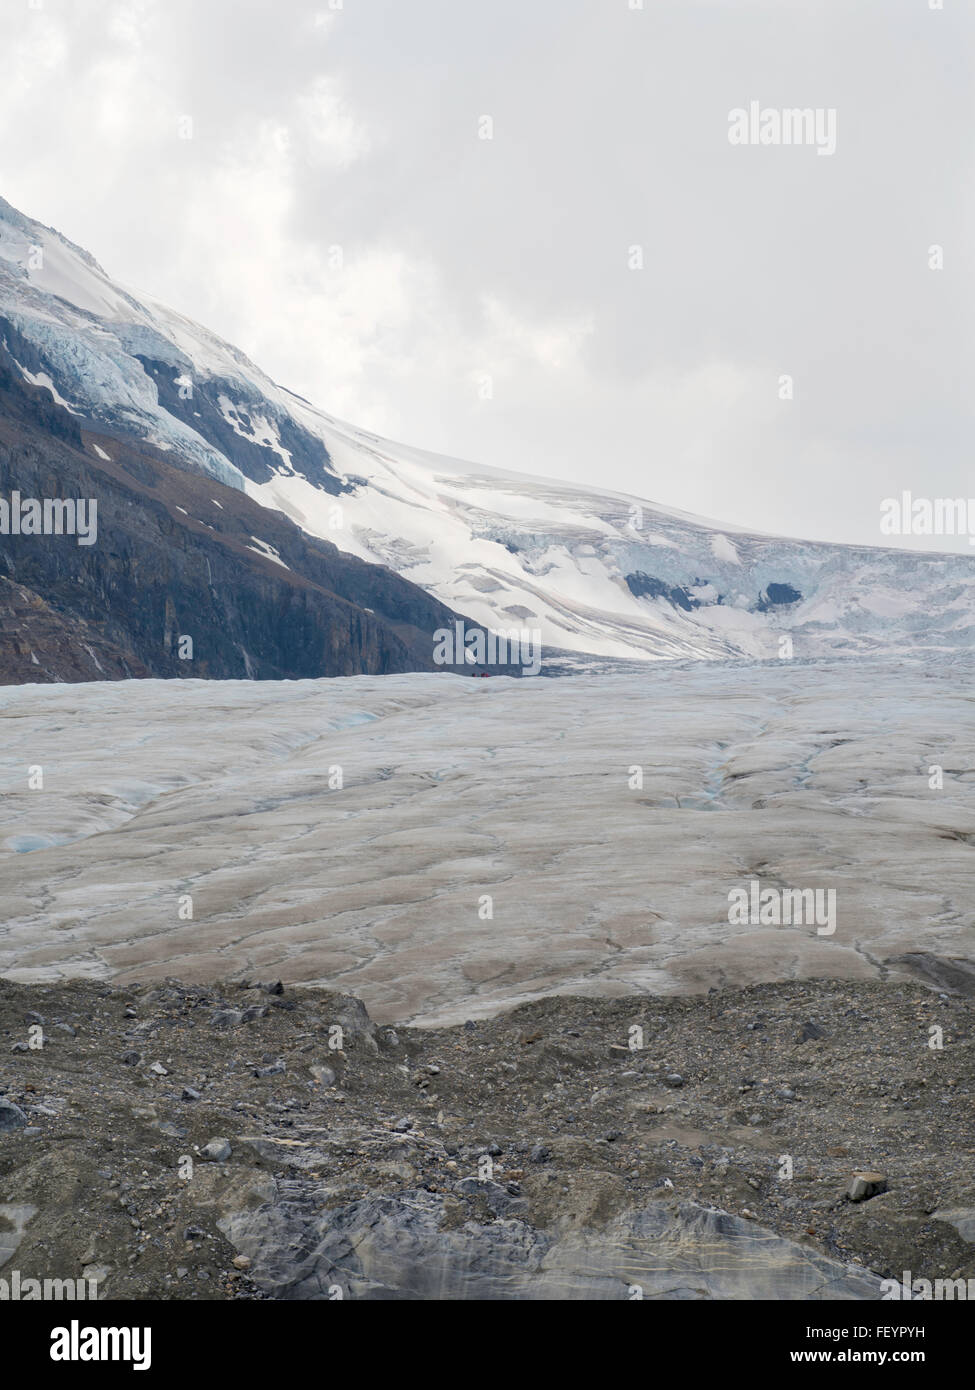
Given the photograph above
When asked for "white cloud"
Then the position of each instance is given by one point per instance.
(329, 125)
(316, 128)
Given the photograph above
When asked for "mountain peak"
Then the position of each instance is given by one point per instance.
(590, 571)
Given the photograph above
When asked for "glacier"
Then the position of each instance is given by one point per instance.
(447, 848)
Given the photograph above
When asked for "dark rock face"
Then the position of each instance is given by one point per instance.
(643, 585)
(39, 643)
(203, 412)
(177, 556)
(777, 596)
(647, 586)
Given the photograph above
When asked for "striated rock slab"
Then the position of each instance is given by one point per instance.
(398, 1247)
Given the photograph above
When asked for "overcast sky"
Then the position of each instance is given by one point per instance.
(465, 259)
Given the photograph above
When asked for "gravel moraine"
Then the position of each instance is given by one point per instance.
(233, 1141)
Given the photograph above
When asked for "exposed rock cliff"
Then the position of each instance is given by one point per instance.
(175, 556)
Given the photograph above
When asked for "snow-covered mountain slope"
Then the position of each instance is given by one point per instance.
(604, 573)
(592, 571)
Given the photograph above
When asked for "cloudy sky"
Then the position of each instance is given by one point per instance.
(313, 181)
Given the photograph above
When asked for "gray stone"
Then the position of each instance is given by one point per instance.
(499, 1199)
(963, 1220)
(226, 1018)
(14, 1216)
(866, 1185)
(216, 1151)
(11, 1117)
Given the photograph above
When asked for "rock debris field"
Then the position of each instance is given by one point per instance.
(174, 1141)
